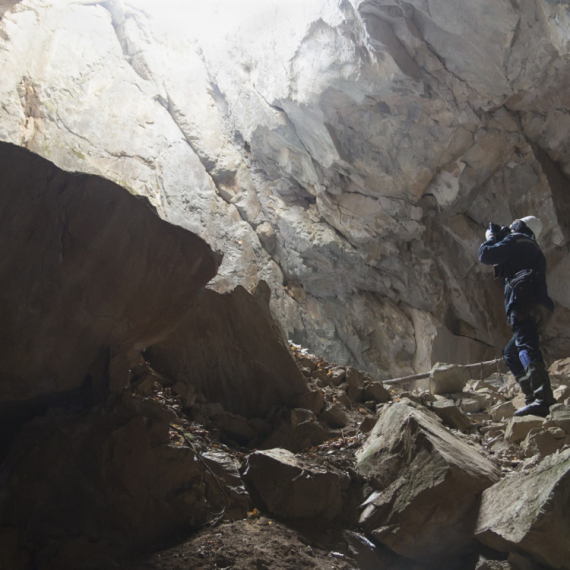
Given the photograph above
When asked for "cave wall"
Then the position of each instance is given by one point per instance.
(351, 154)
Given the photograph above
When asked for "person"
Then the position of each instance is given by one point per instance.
(512, 250)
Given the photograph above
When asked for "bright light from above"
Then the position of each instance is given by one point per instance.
(204, 18)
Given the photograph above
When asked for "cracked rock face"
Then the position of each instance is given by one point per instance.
(350, 154)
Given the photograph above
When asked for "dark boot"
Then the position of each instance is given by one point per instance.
(526, 388)
(541, 390)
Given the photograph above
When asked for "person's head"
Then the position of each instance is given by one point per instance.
(527, 225)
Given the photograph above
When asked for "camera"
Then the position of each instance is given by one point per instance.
(500, 232)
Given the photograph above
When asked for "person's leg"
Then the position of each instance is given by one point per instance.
(527, 342)
(514, 364)
(536, 379)
(511, 357)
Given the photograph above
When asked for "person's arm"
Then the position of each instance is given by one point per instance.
(495, 253)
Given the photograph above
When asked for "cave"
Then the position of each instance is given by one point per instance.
(237, 236)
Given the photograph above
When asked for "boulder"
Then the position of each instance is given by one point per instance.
(543, 442)
(518, 427)
(471, 405)
(560, 416)
(338, 374)
(234, 428)
(296, 431)
(312, 400)
(90, 275)
(450, 415)
(117, 478)
(502, 411)
(447, 378)
(560, 369)
(367, 424)
(225, 489)
(335, 416)
(427, 482)
(562, 393)
(292, 487)
(355, 384)
(528, 511)
(230, 349)
(375, 391)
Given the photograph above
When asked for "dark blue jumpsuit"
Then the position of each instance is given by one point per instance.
(515, 252)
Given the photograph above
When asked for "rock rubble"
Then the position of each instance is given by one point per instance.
(425, 487)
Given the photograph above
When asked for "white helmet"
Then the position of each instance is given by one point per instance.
(533, 223)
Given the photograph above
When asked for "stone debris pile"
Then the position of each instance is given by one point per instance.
(437, 475)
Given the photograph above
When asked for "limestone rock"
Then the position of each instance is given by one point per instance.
(297, 431)
(234, 427)
(230, 349)
(519, 427)
(543, 442)
(527, 512)
(447, 378)
(355, 384)
(335, 416)
(375, 391)
(560, 368)
(367, 424)
(291, 487)
(367, 141)
(312, 400)
(233, 497)
(502, 411)
(338, 374)
(562, 393)
(451, 415)
(428, 481)
(560, 416)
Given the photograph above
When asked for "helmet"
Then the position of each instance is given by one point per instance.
(533, 223)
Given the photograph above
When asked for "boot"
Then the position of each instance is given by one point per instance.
(541, 391)
(524, 382)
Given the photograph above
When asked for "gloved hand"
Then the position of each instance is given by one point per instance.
(489, 235)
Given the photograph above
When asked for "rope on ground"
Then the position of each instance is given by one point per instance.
(471, 367)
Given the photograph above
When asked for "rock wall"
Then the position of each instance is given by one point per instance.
(348, 153)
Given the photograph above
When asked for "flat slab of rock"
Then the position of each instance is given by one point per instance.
(544, 441)
(291, 487)
(528, 511)
(560, 416)
(502, 411)
(428, 480)
(518, 428)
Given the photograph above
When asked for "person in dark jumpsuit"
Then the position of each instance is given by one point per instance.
(511, 253)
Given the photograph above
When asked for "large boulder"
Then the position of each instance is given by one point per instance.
(528, 511)
(230, 350)
(427, 483)
(292, 487)
(79, 487)
(89, 275)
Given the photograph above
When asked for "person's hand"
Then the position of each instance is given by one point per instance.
(489, 235)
